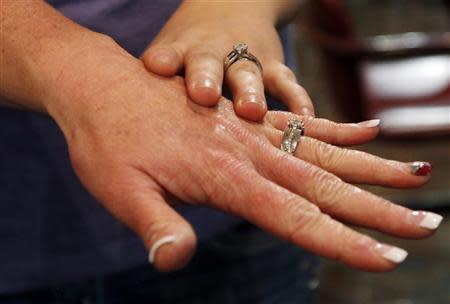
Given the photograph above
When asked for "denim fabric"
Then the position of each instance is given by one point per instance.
(245, 265)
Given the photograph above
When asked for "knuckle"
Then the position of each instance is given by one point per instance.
(238, 131)
(310, 123)
(327, 187)
(330, 157)
(324, 154)
(301, 216)
(223, 168)
(229, 162)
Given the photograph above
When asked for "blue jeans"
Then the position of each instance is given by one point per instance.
(244, 265)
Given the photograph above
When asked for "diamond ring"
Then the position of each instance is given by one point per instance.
(292, 135)
(240, 52)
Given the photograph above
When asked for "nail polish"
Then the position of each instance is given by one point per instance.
(158, 244)
(370, 123)
(392, 253)
(421, 168)
(428, 220)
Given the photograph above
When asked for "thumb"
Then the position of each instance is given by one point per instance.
(168, 237)
(138, 202)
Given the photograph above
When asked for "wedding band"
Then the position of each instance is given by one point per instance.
(292, 135)
(240, 52)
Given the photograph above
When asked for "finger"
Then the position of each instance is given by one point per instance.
(295, 219)
(204, 75)
(245, 81)
(348, 164)
(139, 203)
(164, 60)
(347, 202)
(280, 82)
(328, 131)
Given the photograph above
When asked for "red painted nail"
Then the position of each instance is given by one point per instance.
(421, 168)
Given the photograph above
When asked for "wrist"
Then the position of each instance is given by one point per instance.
(49, 68)
(37, 42)
(94, 79)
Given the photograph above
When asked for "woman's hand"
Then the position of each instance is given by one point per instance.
(199, 36)
(137, 141)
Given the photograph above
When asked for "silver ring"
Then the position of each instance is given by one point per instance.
(240, 52)
(292, 135)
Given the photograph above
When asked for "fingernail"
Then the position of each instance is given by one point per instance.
(306, 112)
(370, 123)
(392, 253)
(421, 168)
(158, 244)
(428, 220)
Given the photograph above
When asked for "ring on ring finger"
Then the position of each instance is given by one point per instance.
(292, 135)
(240, 52)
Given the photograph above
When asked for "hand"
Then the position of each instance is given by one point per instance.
(199, 36)
(136, 139)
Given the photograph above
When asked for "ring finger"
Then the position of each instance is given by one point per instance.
(353, 165)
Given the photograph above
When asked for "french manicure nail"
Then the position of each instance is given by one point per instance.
(428, 220)
(370, 123)
(421, 168)
(392, 253)
(162, 241)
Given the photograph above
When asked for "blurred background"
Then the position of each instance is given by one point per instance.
(386, 59)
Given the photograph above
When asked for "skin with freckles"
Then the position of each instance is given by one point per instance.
(199, 36)
(139, 144)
